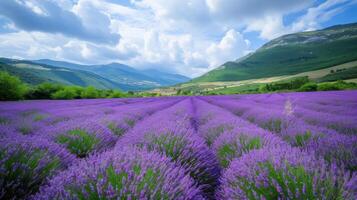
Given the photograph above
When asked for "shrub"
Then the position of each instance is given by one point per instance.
(116, 94)
(291, 84)
(273, 125)
(44, 91)
(90, 93)
(229, 146)
(26, 163)
(235, 149)
(80, 137)
(263, 89)
(284, 173)
(125, 174)
(214, 132)
(65, 93)
(336, 148)
(189, 152)
(78, 142)
(11, 87)
(328, 86)
(307, 87)
(117, 129)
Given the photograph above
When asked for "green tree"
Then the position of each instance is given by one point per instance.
(44, 91)
(328, 86)
(11, 87)
(65, 93)
(116, 94)
(90, 93)
(307, 87)
(263, 88)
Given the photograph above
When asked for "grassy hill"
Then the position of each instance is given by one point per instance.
(127, 77)
(292, 54)
(110, 76)
(33, 73)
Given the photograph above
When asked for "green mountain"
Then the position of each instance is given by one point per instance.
(128, 77)
(33, 73)
(111, 76)
(292, 54)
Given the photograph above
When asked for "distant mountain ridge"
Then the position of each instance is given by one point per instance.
(109, 76)
(130, 78)
(291, 54)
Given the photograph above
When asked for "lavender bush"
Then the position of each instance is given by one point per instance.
(125, 174)
(26, 163)
(266, 146)
(235, 144)
(81, 138)
(284, 173)
(175, 138)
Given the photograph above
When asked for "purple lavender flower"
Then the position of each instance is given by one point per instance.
(175, 138)
(80, 137)
(125, 174)
(230, 145)
(284, 173)
(336, 148)
(26, 163)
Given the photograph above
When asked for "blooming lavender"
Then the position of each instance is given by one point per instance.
(175, 138)
(125, 174)
(336, 148)
(26, 163)
(231, 145)
(284, 173)
(266, 146)
(282, 116)
(81, 138)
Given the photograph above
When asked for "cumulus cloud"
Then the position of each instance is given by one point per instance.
(186, 37)
(321, 13)
(231, 45)
(243, 11)
(47, 16)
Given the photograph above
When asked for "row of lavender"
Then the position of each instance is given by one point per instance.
(38, 139)
(322, 123)
(259, 164)
(180, 148)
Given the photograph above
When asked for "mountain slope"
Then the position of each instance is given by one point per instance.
(33, 73)
(165, 78)
(292, 54)
(128, 77)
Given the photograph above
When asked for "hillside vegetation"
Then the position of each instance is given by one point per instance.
(109, 76)
(292, 54)
(33, 73)
(12, 88)
(125, 76)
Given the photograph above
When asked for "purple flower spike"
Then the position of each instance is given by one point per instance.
(128, 174)
(27, 162)
(284, 173)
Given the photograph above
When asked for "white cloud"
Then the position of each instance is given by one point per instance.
(243, 11)
(231, 45)
(321, 13)
(269, 27)
(187, 37)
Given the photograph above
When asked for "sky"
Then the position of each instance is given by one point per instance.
(188, 37)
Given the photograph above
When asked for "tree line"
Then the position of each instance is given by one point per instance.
(12, 88)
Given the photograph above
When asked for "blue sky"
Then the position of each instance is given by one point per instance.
(187, 37)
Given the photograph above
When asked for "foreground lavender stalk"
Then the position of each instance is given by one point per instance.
(281, 114)
(27, 162)
(285, 173)
(268, 146)
(128, 174)
(175, 138)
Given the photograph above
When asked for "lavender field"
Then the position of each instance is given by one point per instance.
(267, 146)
